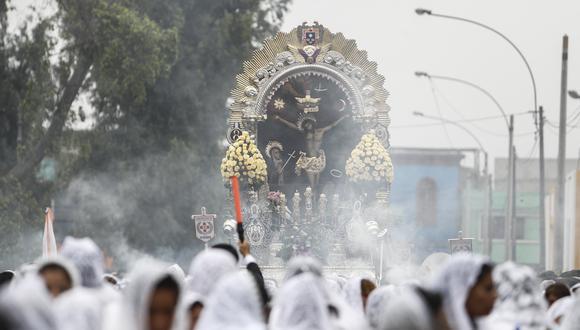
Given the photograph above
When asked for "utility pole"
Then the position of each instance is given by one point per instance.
(489, 216)
(559, 228)
(510, 189)
(542, 190)
(514, 205)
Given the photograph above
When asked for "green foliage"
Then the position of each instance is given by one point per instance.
(133, 52)
(160, 76)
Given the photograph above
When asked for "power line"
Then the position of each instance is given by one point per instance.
(440, 115)
(454, 108)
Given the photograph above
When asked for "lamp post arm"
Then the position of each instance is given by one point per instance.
(506, 39)
(478, 88)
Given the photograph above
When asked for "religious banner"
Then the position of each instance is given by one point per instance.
(204, 225)
(48, 239)
(460, 244)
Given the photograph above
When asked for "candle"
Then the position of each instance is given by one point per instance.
(237, 204)
(238, 207)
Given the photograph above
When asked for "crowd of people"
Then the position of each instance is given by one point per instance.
(224, 289)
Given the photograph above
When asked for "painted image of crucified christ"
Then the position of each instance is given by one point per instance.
(313, 161)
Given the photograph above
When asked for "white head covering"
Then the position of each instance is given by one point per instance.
(177, 271)
(454, 281)
(233, 305)
(520, 303)
(207, 268)
(68, 267)
(560, 309)
(348, 318)
(572, 318)
(78, 309)
(302, 264)
(408, 311)
(133, 311)
(377, 302)
(546, 283)
(87, 257)
(301, 305)
(352, 293)
(28, 305)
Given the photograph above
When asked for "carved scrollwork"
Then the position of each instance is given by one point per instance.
(284, 58)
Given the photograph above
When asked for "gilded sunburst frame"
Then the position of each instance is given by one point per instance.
(309, 50)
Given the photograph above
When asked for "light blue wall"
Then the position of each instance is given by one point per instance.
(403, 202)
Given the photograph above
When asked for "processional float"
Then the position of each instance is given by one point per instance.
(309, 143)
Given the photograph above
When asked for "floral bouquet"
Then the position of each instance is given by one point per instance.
(369, 161)
(244, 160)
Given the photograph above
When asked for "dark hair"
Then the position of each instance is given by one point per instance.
(558, 289)
(168, 283)
(55, 266)
(6, 277)
(195, 304)
(229, 248)
(366, 287)
(333, 311)
(485, 269)
(433, 300)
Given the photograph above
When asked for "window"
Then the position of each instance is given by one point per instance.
(498, 227)
(426, 200)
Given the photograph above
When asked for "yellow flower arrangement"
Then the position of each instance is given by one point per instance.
(244, 160)
(369, 161)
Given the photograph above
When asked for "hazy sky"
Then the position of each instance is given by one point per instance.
(402, 42)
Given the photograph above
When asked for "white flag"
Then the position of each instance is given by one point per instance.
(48, 240)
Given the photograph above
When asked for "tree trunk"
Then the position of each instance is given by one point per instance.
(25, 166)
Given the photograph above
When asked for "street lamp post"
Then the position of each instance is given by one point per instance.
(509, 124)
(422, 11)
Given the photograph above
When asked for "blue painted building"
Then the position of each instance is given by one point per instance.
(426, 197)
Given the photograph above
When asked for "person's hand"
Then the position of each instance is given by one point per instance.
(244, 248)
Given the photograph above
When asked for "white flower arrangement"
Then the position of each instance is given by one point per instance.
(244, 160)
(369, 161)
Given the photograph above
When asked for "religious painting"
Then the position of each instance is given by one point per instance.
(308, 135)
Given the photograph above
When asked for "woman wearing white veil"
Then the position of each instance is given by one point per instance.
(343, 316)
(150, 300)
(352, 294)
(58, 273)
(467, 288)
(302, 264)
(235, 304)
(377, 303)
(301, 305)
(27, 304)
(207, 268)
(77, 309)
(88, 259)
(520, 303)
(408, 311)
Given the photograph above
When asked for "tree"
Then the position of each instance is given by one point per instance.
(157, 74)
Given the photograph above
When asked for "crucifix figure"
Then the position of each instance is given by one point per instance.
(313, 161)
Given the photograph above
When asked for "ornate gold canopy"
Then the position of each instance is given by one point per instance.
(310, 50)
